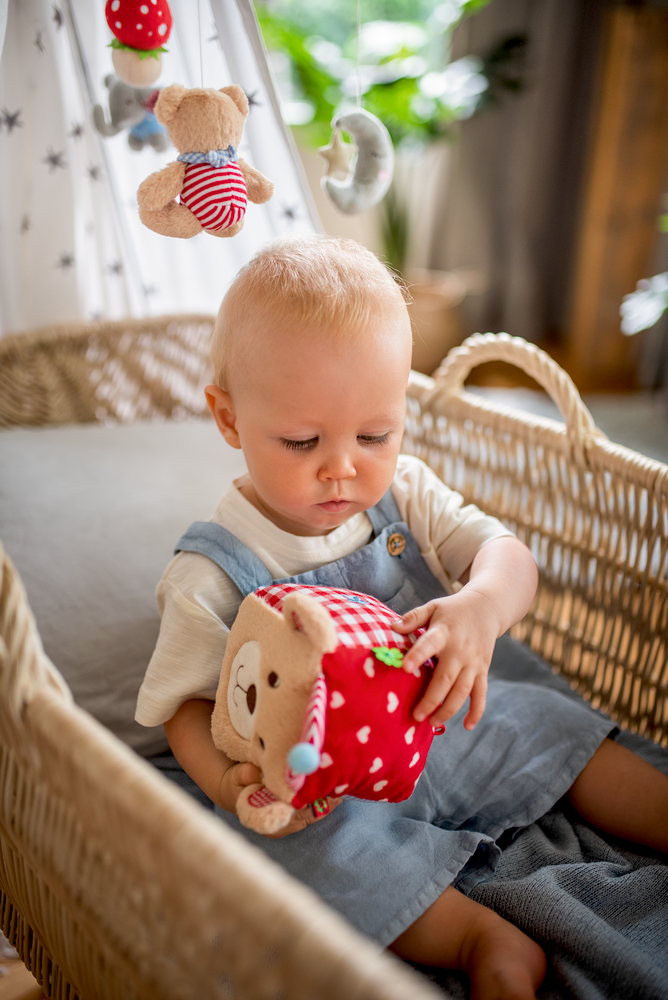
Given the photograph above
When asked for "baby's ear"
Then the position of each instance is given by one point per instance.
(238, 96)
(222, 411)
(305, 614)
(168, 103)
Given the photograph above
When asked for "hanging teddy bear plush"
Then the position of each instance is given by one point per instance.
(211, 183)
(313, 692)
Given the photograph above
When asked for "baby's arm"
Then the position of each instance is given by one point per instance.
(499, 587)
(189, 736)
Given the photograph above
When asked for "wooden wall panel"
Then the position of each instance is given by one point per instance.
(622, 196)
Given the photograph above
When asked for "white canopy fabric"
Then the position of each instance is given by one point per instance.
(72, 247)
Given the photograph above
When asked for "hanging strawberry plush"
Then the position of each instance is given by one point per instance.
(313, 692)
(140, 28)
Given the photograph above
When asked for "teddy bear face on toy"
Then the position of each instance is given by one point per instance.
(271, 662)
(312, 691)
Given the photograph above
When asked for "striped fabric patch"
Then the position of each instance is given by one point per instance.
(215, 195)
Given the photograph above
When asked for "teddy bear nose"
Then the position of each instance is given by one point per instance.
(251, 698)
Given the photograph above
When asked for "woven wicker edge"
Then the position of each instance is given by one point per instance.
(74, 331)
(36, 699)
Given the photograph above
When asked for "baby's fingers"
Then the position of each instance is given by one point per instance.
(431, 643)
(438, 690)
(478, 702)
(456, 697)
(414, 619)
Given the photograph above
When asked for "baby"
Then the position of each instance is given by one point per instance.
(311, 351)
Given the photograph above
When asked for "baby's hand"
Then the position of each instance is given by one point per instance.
(238, 776)
(461, 632)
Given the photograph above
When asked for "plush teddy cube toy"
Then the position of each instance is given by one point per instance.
(212, 184)
(313, 692)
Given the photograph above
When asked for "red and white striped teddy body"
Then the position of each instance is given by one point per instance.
(216, 196)
(317, 671)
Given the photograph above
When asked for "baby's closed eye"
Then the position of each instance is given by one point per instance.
(307, 443)
(372, 438)
(299, 445)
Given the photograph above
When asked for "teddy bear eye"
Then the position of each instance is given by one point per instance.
(274, 680)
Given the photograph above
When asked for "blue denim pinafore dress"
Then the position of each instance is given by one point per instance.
(382, 864)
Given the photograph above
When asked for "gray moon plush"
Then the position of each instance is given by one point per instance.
(372, 175)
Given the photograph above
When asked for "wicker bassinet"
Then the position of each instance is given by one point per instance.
(112, 882)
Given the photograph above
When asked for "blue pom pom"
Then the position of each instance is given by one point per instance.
(303, 758)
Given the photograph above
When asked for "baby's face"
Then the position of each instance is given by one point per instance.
(320, 421)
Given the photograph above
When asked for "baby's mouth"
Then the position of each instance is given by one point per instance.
(335, 506)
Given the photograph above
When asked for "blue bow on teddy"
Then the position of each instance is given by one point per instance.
(215, 157)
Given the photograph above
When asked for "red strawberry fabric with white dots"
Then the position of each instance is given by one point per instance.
(373, 748)
(140, 24)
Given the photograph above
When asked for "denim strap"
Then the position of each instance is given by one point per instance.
(242, 566)
(385, 512)
(234, 558)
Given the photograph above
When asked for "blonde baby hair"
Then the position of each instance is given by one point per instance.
(326, 282)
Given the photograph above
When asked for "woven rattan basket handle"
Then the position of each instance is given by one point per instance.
(481, 347)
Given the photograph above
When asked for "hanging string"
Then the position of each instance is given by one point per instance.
(359, 32)
(199, 32)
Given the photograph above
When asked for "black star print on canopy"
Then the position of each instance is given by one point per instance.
(11, 120)
(95, 172)
(115, 268)
(38, 43)
(252, 100)
(25, 223)
(65, 261)
(149, 290)
(54, 160)
(214, 38)
(290, 212)
(77, 131)
(57, 17)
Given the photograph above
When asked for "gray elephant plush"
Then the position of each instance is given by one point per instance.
(131, 108)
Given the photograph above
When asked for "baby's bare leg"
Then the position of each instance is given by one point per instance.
(457, 933)
(621, 793)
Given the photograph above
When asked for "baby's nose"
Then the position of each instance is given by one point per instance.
(337, 466)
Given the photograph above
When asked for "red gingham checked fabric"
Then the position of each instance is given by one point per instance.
(360, 620)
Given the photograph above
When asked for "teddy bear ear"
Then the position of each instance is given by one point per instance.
(168, 102)
(238, 96)
(305, 614)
